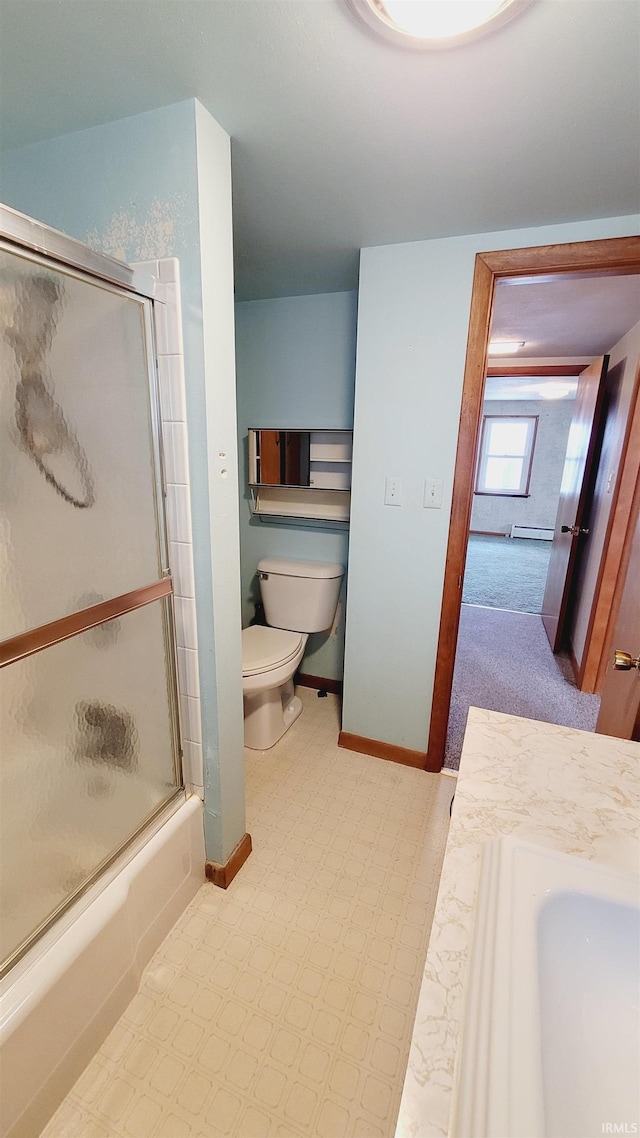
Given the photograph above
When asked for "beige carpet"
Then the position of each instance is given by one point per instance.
(504, 663)
(285, 1005)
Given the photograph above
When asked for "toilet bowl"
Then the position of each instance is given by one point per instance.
(270, 657)
(299, 597)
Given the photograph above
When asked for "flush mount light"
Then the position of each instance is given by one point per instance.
(558, 390)
(505, 347)
(435, 23)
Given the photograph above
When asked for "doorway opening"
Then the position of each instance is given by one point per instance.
(484, 636)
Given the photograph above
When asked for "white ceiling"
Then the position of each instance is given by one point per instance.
(557, 388)
(568, 320)
(577, 318)
(341, 140)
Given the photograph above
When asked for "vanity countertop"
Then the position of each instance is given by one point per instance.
(569, 790)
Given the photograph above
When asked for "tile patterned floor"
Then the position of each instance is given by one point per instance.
(284, 1006)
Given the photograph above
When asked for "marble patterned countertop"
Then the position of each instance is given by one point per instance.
(568, 790)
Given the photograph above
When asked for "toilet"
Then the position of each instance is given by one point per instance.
(299, 597)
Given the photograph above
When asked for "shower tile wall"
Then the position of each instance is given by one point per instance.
(176, 461)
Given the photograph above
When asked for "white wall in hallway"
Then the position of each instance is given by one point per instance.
(495, 513)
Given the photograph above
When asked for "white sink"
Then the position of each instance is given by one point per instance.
(551, 1043)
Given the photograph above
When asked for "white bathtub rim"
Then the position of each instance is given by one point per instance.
(109, 887)
(32, 1092)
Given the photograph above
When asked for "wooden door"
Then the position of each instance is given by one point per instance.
(620, 704)
(581, 447)
(270, 458)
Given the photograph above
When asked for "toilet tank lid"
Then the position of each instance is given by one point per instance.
(318, 569)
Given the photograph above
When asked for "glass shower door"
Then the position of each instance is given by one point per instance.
(89, 741)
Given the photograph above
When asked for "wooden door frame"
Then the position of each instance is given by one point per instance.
(617, 255)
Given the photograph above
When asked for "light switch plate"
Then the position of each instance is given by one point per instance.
(392, 491)
(432, 494)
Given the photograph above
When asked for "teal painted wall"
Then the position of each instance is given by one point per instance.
(132, 189)
(295, 360)
(413, 316)
(219, 644)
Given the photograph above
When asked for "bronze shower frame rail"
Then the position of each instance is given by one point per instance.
(35, 639)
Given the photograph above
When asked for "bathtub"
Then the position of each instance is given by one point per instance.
(551, 1035)
(61, 1000)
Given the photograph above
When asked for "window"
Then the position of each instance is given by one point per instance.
(506, 454)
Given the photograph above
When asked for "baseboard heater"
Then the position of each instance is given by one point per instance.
(538, 532)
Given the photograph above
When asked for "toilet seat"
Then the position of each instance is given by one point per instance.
(264, 648)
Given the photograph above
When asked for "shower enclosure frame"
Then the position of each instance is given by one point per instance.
(41, 244)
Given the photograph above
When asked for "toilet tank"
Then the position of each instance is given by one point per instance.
(299, 595)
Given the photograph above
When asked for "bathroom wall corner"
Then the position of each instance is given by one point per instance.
(173, 415)
(224, 756)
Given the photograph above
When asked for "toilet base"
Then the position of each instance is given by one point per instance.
(268, 714)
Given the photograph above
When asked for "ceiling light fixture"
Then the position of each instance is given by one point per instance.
(505, 347)
(435, 23)
(557, 390)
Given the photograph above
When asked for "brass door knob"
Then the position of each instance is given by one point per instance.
(624, 662)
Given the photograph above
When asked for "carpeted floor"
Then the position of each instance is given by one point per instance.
(504, 663)
(506, 573)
